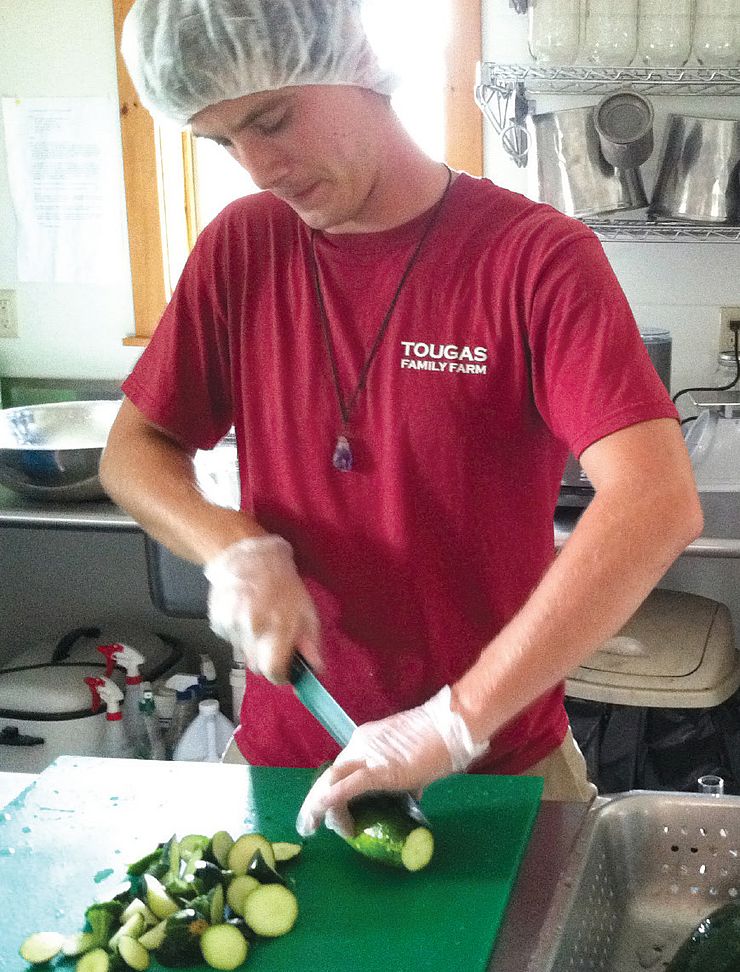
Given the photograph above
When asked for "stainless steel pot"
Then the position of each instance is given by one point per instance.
(572, 174)
(698, 176)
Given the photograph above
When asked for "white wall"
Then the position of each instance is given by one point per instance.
(64, 330)
(679, 286)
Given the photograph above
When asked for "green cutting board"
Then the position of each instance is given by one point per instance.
(66, 841)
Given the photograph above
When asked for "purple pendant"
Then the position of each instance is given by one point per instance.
(342, 458)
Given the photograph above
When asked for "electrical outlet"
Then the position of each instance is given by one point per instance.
(726, 334)
(8, 318)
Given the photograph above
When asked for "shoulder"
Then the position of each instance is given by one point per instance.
(257, 219)
(508, 221)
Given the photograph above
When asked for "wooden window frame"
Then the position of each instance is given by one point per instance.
(463, 148)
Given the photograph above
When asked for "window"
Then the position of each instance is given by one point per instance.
(175, 185)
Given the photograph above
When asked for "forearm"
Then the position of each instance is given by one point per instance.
(153, 479)
(621, 547)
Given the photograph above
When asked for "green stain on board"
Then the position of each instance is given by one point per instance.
(102, 875)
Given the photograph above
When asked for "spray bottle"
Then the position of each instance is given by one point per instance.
(130, 660)
(155, 742)
(115, 742)
(186, 708)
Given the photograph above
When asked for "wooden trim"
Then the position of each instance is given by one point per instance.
(142, 197)
(464, 119)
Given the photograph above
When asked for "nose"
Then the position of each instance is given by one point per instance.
(264, 163)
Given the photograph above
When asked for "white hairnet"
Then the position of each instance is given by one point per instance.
(184, 55)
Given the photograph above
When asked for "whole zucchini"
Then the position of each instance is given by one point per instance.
(714, 945)
(390, 828)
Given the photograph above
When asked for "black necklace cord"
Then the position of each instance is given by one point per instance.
(346, 408)
(727, 387)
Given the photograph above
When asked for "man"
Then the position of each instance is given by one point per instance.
(407, 355)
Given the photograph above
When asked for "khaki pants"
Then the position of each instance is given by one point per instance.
(564, 771)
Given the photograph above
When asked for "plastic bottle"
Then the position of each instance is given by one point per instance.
(131, 661)
(207, 680)
(186, 708)
(116, 741)
(155, 748)
(207, 736)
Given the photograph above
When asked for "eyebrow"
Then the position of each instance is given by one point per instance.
(246, 120)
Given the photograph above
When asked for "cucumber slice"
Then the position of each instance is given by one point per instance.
(261, 870)
(137, 907)
(217, 899)
(285, 851)
(219, 847)
(271, 910)
(224, 947)
(41, 946)
(133, 928)
(193, 842)
(237, 891)
(391, 829)
(78, 944)
(98, 960)
(133, 953)
(157, 899)
(154, 937)
(243, 850)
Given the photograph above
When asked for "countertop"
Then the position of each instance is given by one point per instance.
(18, 511)
(555, 830)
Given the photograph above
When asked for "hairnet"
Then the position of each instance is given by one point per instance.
(184, 55)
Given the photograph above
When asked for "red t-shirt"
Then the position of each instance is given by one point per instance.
(510, 344)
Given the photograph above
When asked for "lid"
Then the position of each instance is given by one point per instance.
(713, 441)
(79, 647)
(45, 693)
(677, 650)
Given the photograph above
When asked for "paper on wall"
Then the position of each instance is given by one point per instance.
(64, 170)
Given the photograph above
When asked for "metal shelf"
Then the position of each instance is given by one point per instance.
(593, 80)
(662, 231)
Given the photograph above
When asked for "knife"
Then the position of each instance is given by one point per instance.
(326, 710)
(322, 706)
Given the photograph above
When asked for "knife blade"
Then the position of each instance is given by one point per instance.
(320, 703)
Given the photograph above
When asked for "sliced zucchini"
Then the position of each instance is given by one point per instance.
(154, 937)
(137, 906)
(78, 944)
(133, 928)
(261, 870)
(103, 918)
(181, 943)
(193, 842)
(285, 851)
(41, 946)
(211, 905)
(145, 863)
(243, 850)
(161, 904)
(237, 891)
(391, 828)
(207, 875)
(219, 847)
(98, 960)
(133, 953)
(224, 947)
(271, 910)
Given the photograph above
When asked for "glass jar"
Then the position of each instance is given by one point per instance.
(609, 33)
(554, 31)
(664, 32)
(717, 33)
(726, 372)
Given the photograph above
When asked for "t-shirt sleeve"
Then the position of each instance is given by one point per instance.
(182, 380)
(591, 372)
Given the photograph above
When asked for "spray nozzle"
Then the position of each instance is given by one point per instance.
(108, 691)
(95, 684)
(124, 655)
(182, 684)
(207, 668)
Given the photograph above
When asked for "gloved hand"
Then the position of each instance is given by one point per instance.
(403, 752)
(257, 601)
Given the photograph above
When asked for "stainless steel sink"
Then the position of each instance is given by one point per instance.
(645, 870)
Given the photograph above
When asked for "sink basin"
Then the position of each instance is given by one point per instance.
(646, 869)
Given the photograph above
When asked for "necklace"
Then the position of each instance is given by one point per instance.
(342, 458)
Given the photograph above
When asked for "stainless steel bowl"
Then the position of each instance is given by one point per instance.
(698, 177)
(573, 175)
(52, 452)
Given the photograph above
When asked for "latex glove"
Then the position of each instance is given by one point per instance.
(257, 601)
(403, 752)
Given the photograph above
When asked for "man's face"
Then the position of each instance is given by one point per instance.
(312, 146)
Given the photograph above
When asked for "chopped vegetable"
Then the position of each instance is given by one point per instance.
(261, 870)
(133, 953)
(224, 947)
(41, 946)
(713, 946)
(243, 850)
(391, 828)
(285, 851)
(98, 960)
(181, 943)
(237, 891)
(271, 910)
(219, 847)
